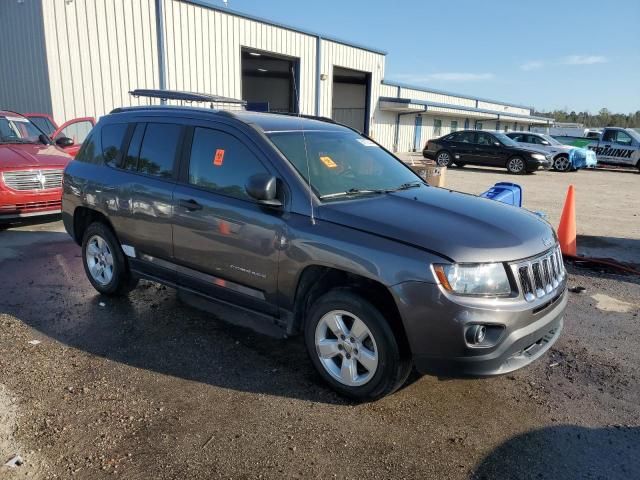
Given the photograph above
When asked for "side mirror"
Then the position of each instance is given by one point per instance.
(263, 187)
(497, 144)
(44, 139)
(545, 143)
(64, 142)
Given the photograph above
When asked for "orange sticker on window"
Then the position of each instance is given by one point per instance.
(328, 162)
(219, 158)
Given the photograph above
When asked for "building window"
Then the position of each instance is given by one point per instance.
(454, 125)
(437, 128)
(506, 127)
(478, 125)
(522, 128)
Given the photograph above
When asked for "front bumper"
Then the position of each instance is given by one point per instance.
(533, 164)
(436, 322)
(14, 204)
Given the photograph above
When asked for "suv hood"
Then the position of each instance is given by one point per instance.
(462, 227)
(14, 156)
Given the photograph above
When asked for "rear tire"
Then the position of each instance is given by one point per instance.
(104, 262)
(353, 347)
(443, 158)
(516, 165)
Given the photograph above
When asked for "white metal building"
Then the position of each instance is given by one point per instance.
(75, 58)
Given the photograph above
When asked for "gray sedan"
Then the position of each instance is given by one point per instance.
(559, 151)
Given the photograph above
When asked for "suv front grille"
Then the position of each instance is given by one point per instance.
(541, 275)
(22, 180)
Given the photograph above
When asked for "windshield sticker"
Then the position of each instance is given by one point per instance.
(328, 162)
(219, 157)
(17, 119)
(366, 142)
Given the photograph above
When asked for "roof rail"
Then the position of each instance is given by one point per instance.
(185, 96)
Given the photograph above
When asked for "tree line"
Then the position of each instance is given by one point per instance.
(604, 118)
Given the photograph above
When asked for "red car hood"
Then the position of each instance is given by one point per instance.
(14, 156)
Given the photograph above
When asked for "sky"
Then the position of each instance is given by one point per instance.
(562, 54)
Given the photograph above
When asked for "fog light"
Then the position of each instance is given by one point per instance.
(476, 334)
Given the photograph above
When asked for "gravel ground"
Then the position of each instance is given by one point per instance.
(147, 387)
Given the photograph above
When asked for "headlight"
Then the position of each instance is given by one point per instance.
(474, 278)
(538, 156)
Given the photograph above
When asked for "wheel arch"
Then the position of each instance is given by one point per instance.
(85, 216)
(316, 280)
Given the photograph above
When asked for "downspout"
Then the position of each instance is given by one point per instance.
(162, 70)
(318, 73)
(498, 124)
(397, 139)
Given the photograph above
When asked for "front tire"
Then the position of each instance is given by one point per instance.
(104, 261)
(562, 163)
(353, 347)
(443, 158)
(516, 165)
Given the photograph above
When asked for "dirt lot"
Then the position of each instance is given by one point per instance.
(147, 387)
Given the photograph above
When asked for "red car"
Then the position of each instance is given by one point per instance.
(31, 167)
(76, 129)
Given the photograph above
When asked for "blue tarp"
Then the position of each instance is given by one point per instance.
(582, 158)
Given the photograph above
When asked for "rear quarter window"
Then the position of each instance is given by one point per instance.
(112, 137)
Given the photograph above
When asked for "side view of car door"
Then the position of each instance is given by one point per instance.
(77, 130)
(226, 245)
(462, 145)
(488, 151)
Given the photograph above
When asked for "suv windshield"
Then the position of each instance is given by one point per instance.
(14, 129)
(505, 140)
(343, 164)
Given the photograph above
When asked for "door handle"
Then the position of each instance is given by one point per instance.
(190, 204)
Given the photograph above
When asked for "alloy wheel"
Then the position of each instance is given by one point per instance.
(443, 159)
(562, 164)
(99, 260)
(516, 165)
(346, 348)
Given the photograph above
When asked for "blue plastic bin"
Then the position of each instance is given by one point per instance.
(505, 192)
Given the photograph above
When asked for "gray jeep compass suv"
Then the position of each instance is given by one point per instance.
(317, 229)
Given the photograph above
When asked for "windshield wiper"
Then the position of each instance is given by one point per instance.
(351, 191)
(406, 186)
(16, 140)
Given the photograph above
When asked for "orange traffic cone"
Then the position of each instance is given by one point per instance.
(567, 227)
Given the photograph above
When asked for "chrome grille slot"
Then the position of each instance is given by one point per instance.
(539, 277)
(33, 179)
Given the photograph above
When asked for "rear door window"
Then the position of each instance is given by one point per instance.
(159, 148)
(463, 137)
(220, 162)
(112, 136)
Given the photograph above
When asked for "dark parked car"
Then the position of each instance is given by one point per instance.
(312, 227)
(492, 149)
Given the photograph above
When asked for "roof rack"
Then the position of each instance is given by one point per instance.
(188, 97)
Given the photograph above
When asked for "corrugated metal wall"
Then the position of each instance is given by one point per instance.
(503, 108)
(338, 55)
(203, 50)
(24, 78)
(99, 50)
(436, 97)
